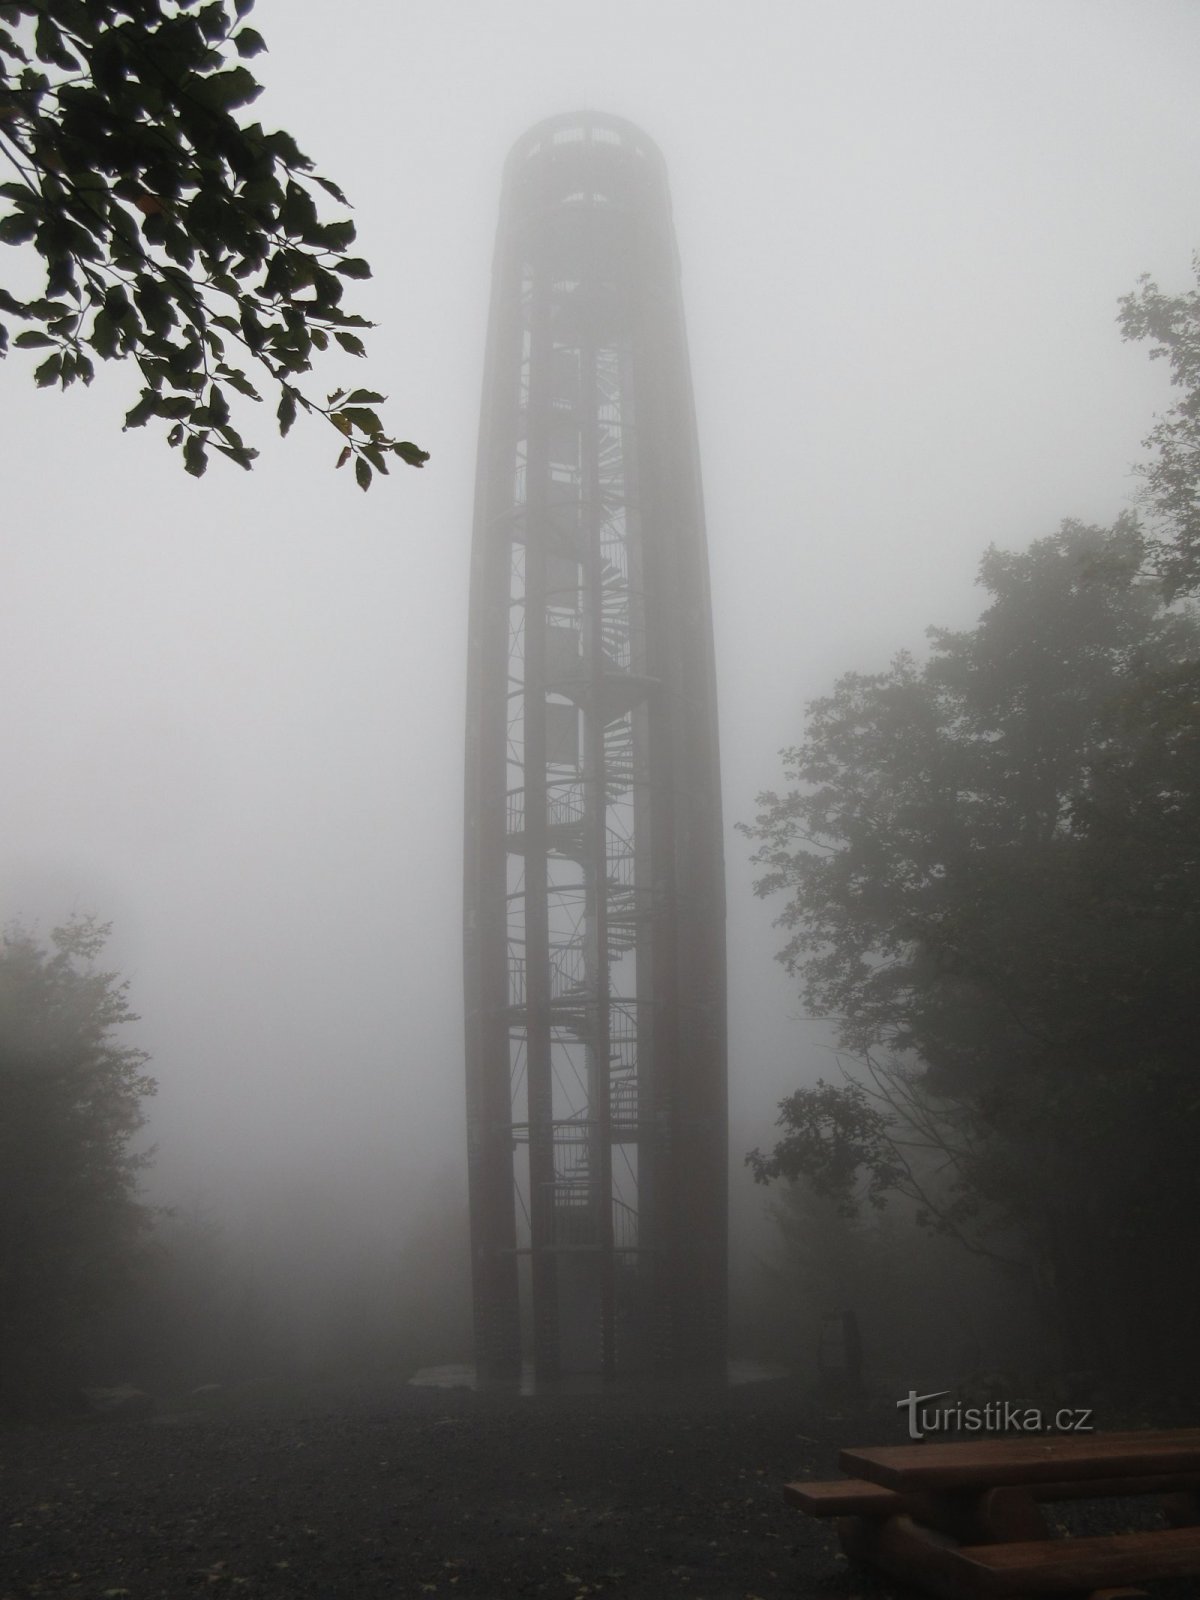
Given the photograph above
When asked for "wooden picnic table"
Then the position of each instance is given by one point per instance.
(962, 1520)
(1027, 1459)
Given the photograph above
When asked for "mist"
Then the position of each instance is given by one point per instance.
(235, 710)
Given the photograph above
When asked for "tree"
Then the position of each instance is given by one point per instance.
(173, 235)
(922, 1309)
(1172, 475)
(71, 1102)
(992, 874)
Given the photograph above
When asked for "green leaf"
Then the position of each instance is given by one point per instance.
(34, 84)
(334, 235)
(154, 303)
(362, 472)
(49, 371)
(350, 342)
(262, 196)
(249, 42)
(155, 370)
(18, 228)
(363, 418)
(286, 412)
(48, 42)
(239, 381)
(173, 406)
(10, 46)
(238, 453)
(108, 63)
(185, 358)
(218, 405)
(104, 335)
(353, 267)
(195, 457)
(411, 453)
(281, 144)
(231, 436)
(213, 20)
(253, 331)
(60, 273)
(330, 290)
(31, 340)
(361, 397)
(299, 214)
(243, 7)
(224, 91)
(331, 188)
(141, 413)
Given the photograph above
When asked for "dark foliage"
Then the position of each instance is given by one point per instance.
(834, 1136)
(1172, 475)
(71, 1100)
(992, 874)
(173, 234)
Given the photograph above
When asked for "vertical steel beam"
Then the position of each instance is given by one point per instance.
(538, 977)
(596, 791)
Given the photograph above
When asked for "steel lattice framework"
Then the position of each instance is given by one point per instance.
(594, 903)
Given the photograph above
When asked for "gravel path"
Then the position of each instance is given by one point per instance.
(428, 1492)
(432, 1492)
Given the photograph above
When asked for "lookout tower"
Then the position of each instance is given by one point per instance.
(594, 894)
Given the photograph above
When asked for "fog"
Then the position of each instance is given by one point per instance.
(233, 723)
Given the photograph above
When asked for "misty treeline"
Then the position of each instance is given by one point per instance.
(990, 860)
(71, 1101)
(97, 1286)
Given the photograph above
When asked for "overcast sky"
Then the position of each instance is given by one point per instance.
(233, 722)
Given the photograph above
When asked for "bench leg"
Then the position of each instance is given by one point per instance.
(913, 1554)
(854, 1536)
(1181, 1509)
(997, 1516)
(1010, 1516)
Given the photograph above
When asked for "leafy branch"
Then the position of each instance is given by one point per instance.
(172, 235)
(853, 1143)
(1171, 477)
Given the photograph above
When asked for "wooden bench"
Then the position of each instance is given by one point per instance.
(962, 1520)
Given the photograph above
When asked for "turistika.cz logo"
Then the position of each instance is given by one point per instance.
(997, 1416)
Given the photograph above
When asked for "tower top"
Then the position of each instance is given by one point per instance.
(596, 128)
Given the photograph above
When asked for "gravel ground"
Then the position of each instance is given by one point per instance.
(436, 1492)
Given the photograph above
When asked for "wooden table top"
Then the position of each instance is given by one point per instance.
(1027, 1458)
